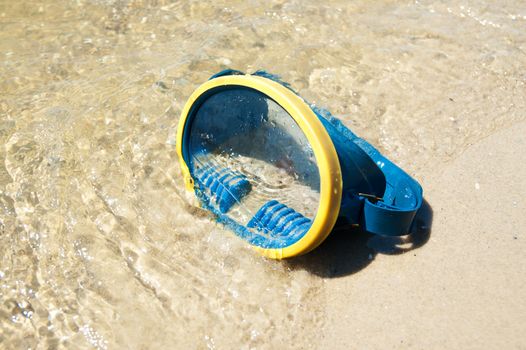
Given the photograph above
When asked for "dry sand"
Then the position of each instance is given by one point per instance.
(466, 287)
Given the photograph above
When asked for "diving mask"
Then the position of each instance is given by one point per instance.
(279, 172)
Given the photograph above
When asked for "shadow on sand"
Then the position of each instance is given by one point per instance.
(348, 249)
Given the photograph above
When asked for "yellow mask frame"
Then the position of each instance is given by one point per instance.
(322, 145)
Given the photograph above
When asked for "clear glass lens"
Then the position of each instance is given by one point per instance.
(254, 164)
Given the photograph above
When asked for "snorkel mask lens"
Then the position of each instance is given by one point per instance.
(269, 167)
(252, 163)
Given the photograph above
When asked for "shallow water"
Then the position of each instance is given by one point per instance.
(100, 246)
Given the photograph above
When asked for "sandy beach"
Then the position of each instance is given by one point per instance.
(101, 246)
(464, 287)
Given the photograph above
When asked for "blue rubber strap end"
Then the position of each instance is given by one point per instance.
(377, 195)
(394, 214)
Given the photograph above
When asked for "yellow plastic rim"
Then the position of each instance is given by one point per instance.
(324, 152)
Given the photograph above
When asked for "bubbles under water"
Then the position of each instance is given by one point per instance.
(101, 246)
